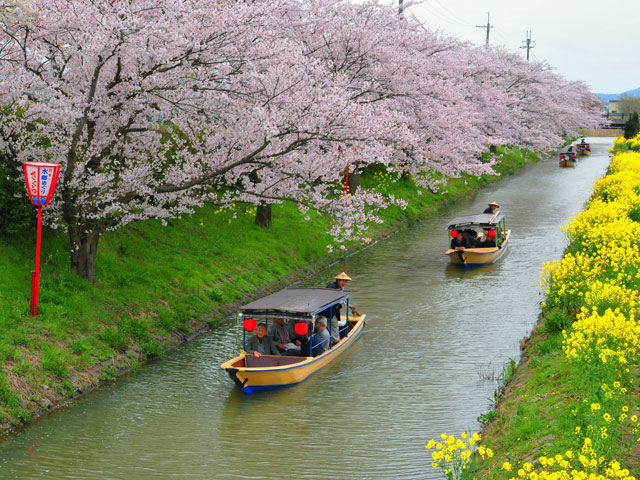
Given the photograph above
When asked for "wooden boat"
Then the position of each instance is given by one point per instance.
(583, 149)
(301, 305)
(478, 253)
(568, 159)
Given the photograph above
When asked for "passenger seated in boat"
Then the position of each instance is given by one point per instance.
(459, 242)
(261, 344)
(279, 333)
(320, 339)
(488, 238)
(303, 339)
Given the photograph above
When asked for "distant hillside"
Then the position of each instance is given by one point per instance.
(605, 97)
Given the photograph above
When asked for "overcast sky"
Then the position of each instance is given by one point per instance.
(594, 41)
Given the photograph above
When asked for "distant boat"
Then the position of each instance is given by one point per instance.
(568, 159)
(583, 149)
(471, 226)
(254, 374)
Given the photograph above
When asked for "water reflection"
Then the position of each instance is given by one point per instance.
(437, 337)
(453, 271)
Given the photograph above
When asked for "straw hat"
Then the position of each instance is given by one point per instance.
(494, 204)
(342, 276)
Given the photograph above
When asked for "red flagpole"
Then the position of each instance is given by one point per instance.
(35, 275)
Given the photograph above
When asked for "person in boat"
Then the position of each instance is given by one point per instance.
(487, 240)
(493, 206)
(295, 337)
(320, 339)
(583, 144)
(459, 242)
(261, 344)
(279, 333)
(339, 283)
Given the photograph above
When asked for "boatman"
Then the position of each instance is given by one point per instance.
(493, 206)
(340, 281)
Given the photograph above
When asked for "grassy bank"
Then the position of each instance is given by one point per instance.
(158, 285)
(571, 409)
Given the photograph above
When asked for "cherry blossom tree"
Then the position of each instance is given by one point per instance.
(154, 107)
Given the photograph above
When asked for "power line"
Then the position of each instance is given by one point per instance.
(454, 18)
(502, 37)
(439, 16)
(488, 26)
(528, 43)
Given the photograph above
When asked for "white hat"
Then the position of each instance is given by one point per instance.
(321, 319)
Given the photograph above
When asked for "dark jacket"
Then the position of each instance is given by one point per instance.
(291, 328)
(269, 347)
(462, 243)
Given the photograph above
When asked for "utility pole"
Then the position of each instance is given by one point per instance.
(488, 26)
(400, 9)
(528, 43)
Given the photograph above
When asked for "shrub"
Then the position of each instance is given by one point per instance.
(55, 361)
(632, 127)
(8, 396)
(151, 349)
(556, 321)
(114, 338)
(16, 212)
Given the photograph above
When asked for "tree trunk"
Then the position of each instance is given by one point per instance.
(354, 182)
(263, 215)
(84, 248)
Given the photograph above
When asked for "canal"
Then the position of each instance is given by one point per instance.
(436, 341)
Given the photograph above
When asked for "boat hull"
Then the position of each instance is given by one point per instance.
(478, 256)
(567, 164)
(256, 379)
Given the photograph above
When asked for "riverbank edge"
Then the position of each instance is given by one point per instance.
(515, 389)
(126, 362)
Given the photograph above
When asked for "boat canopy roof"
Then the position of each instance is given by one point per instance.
(487, 219)
(306, 301)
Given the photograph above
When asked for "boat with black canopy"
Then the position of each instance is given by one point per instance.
(485, 235)
(302, 307)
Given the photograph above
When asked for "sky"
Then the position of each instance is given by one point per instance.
(597, 42)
